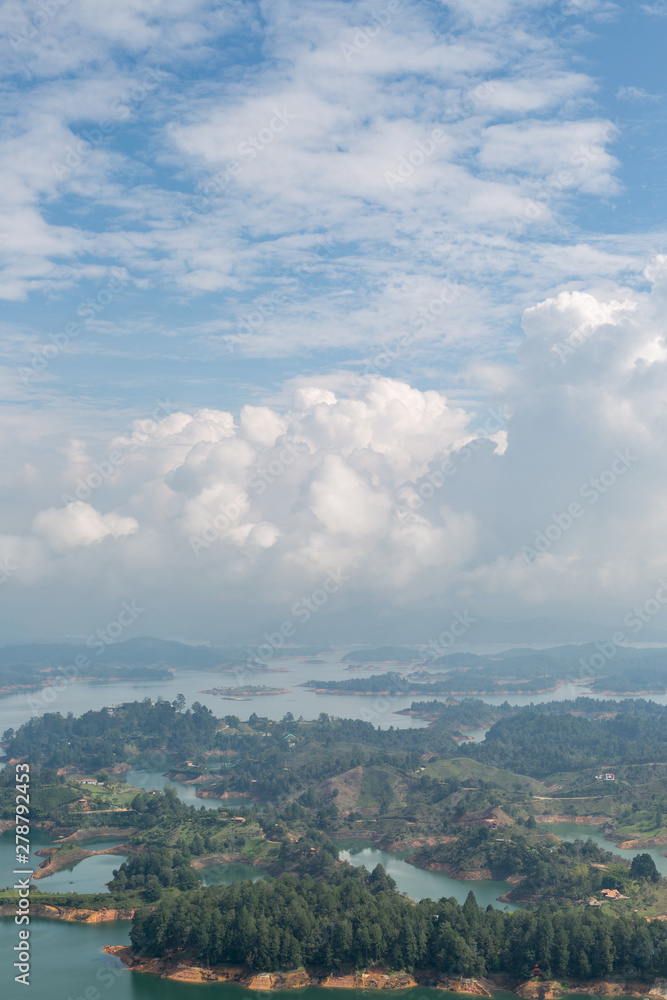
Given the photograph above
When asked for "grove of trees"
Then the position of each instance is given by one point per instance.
(355, 919)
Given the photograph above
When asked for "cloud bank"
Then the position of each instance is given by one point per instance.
(413, 499)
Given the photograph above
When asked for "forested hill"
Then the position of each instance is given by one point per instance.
(535, 740)
(99, 738)
(538, 744)
(355, 919)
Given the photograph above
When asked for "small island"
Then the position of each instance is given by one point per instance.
(245, 693)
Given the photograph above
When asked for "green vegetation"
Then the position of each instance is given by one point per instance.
(413, 790)
(551, 870)
(643, 867)
(570, 743)
(99, 739)
(154, 870)
(79, 900)
(354, 919)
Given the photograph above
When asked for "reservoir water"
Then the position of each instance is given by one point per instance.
(420, 884)
(79, 697)
(578, 831)
(89, 875)
(68, 962)
(148, 780)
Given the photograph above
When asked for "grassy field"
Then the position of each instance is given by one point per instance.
(382, 788)
(464, 768)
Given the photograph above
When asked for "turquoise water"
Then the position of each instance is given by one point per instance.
(68, 958)
(420, 884)
(578, 831)
(38, 839)
(148, 780)
(89, 875)
(69, 964)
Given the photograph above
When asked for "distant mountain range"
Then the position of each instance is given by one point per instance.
(133, 652)
(146, 651)
(143, 651)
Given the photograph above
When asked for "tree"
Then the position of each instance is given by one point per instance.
(643, 867)
(470, 908)
(583, 965)
(152, 889)
(561, 953)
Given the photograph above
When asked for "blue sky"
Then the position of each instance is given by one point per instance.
(390, 213)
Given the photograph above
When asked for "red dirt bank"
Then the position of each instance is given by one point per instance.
(534, 989)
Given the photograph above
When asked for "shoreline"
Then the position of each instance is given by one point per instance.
(71, 914)
(410, 693)
(244, 694)
(469, 874)
(52, 864)
(590, 819)
(185, 970)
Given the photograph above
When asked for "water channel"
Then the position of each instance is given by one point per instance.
(68, 962)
